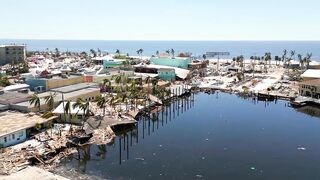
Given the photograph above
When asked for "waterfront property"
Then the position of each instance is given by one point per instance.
(310, 88)
(12, 54)
(311, 74)
(179, 62)
(15, 126)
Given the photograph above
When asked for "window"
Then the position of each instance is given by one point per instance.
(5, 139)
(20, 133)
(13, 136)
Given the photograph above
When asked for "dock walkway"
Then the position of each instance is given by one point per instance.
(301, 100)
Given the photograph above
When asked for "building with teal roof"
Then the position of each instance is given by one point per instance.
(179, 62)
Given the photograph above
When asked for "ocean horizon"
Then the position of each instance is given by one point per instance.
(197, 48)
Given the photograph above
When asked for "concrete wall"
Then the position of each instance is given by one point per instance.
(13, 138)
(308, 78)
(55, 83)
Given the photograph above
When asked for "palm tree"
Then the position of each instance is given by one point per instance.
(107, 84)
(204, 57)
(168, 52)
(253, 63)
(284, 56)
(35, 100)
(67, 111)
(117, 52)
(117, 79)
(93, 52)
(123, 98)
(101, 102)
(240, 59)
(57, 52)
(292, 54)
(50, 100)
(82, 105)
(172, 52)
(139, 52)
(308, 59)
(300, 60)
(154, 83)
(99, 52)
(133, 93)
(267, 57)
(113, 102)
(147, 80)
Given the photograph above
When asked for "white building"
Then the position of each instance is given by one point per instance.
(15, 126)
(311, 74)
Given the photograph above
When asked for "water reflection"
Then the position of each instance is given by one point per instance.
(310, 110)
(149, 122)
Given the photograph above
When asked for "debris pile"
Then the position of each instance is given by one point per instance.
(102, 136)
(45, 150)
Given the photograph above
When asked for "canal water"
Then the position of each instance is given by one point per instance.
(217, 136)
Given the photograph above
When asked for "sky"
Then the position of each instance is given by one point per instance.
(160, 19)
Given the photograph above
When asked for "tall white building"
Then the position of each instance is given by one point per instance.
(12, 54)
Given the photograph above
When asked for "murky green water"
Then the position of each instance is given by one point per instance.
(219, 136)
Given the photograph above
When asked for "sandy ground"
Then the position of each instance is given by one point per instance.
(221, 82)
(265, 83)
(32, 173)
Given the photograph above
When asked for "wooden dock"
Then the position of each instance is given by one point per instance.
(273, 95)
(303, 101)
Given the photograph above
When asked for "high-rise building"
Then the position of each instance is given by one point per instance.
(12, 54)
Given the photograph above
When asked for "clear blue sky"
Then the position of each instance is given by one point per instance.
(160, 19)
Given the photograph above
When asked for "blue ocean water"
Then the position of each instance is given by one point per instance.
(197, 48)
